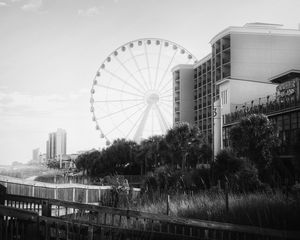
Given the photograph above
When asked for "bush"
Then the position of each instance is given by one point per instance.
(242, 176)
(169, 180)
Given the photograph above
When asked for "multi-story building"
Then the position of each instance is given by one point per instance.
(282, 106)
(57, 145)
(35, 155)
(246, 58)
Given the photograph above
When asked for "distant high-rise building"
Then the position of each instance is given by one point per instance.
(57, 145)
(35, 155)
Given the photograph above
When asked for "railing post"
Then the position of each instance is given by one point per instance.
(46, 208)
(74, 195)
(90, 233)
(168, 204)
(55, 192)
(87, 195)
(32, 192)
(99, 192)
(2, 194)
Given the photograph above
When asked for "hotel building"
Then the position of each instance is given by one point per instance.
(56, 146)
(245, 64)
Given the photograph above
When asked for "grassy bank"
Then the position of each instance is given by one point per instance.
(256, 209)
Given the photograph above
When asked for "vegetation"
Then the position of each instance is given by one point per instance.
(183, 146)
(254, 138)
(255, 209)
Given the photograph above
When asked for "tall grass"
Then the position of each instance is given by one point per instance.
(273, 210)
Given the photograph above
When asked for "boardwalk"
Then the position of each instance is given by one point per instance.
(67, 192)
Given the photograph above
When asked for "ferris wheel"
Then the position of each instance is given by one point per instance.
(132, 91)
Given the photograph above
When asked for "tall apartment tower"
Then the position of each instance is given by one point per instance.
(254, 52)
(57, 145)
(36, 155)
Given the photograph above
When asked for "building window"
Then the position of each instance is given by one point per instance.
(224, 97)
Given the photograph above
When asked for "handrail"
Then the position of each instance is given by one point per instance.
(53, 185)
(20, 213)
(162, 218)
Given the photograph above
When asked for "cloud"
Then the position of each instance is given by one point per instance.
(90, 12)
(3, 4)
(33, 5)
(14, 104)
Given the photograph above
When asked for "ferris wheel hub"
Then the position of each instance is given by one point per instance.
(152, 98)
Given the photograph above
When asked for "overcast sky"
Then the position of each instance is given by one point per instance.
(50, 50)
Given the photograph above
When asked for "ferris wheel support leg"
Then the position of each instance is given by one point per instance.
(140, 129)
(161, 119)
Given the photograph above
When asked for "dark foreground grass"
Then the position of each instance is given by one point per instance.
(256, 209)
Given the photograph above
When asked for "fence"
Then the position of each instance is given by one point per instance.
(66, 192)
(64, 220)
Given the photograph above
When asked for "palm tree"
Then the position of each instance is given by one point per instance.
(183, 139)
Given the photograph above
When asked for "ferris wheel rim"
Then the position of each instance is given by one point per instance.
(130, 44)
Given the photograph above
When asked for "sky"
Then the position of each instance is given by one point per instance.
(51, 49)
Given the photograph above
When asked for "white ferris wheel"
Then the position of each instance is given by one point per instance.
(132, 91)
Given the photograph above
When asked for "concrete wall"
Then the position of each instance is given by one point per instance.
(261, 56)
(186, 95)
(240, 91)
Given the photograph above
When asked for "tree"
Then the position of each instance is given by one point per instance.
(85, 161)
(153, 152)
(184, 140)
(119, 158)
(52, 163)
(254, 138)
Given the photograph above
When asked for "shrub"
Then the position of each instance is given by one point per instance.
(168, 180)
(242, 176)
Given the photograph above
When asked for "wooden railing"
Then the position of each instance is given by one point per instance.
(23, 225)
(66, 192)
(59, 214)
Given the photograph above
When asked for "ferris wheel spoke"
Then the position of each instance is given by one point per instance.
(135, 124)
(148, 66)
(119, 90)
(124, 81)
(122, 110)
(152, 118)
(157, 66)
(169, 105)
(121, 123)
(166, 100)
(167, 110)
(166, 84)
(141, 126)
(167, 69)
(130, 73)
(166, 96)
(166, 91)
(139, 70)
(118, 100)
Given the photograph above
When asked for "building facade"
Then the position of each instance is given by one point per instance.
(56, 146)
(282, 107)
(36, 155)
(240, 67)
